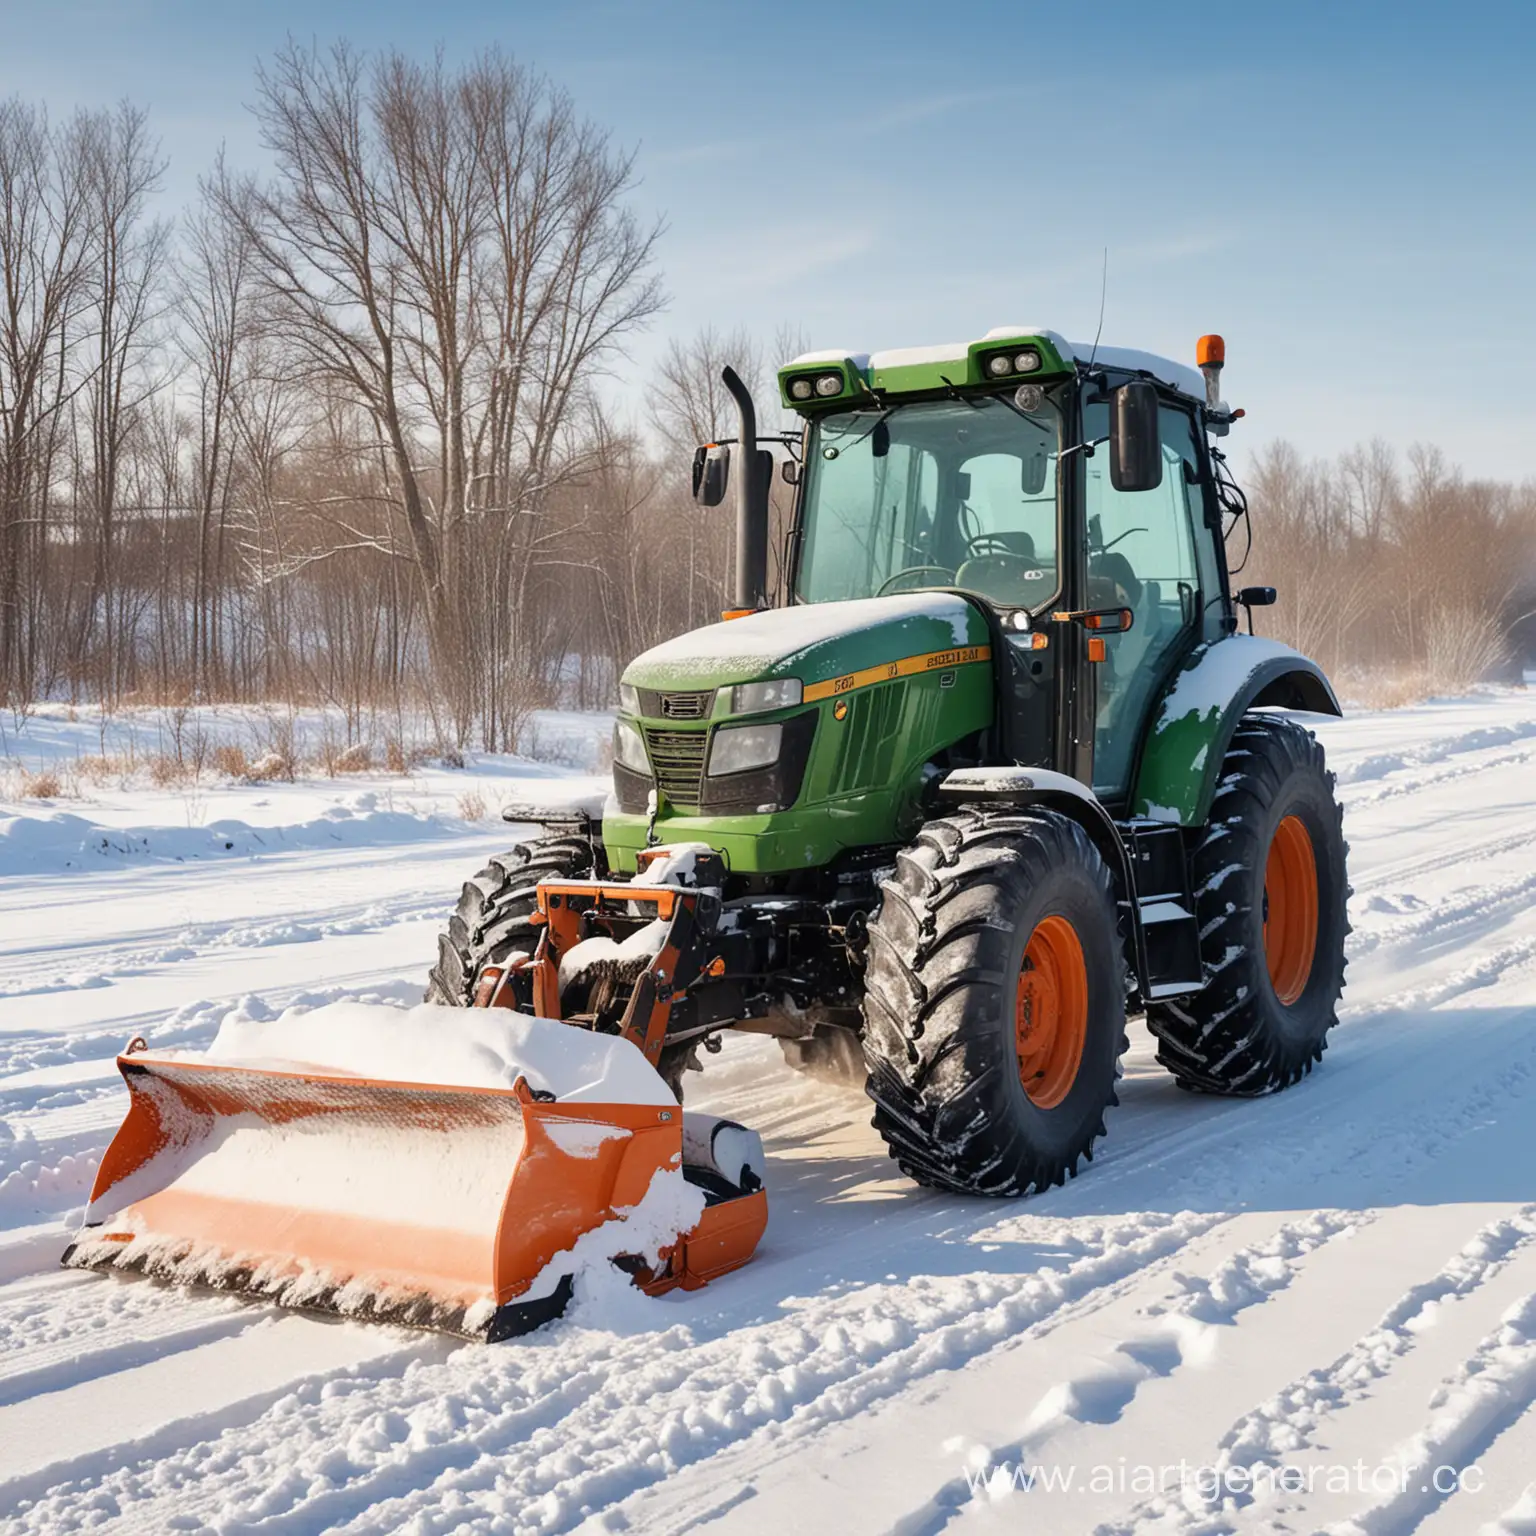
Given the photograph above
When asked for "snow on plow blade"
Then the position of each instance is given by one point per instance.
(414, 1203)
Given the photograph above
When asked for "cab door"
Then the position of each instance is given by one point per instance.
(1141, 553)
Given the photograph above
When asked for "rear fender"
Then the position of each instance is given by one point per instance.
(1200, 711)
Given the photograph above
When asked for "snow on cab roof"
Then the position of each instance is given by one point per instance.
(1179, 375)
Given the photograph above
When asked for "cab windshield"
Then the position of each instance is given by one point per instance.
(942, 493)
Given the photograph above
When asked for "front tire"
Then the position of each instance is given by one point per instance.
(994, 1012)
(1271, 896)
(491, 920)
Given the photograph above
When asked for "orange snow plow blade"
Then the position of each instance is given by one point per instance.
(414, 1203)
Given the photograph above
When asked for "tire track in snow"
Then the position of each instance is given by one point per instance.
(483, 1429)
(67, 1365)
(1396, 788)
(1482, 738)
(1486, 971)
(72, 1314)
(86, 966)
(1492, 1390)
(71, 1440)
(291, 1502)
(1179, 1333)
(1391, 876)
(1275, 1431)
(1450, 919)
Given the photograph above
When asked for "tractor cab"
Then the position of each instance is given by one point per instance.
(1074, 497)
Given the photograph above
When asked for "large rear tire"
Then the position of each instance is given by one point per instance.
(1271, 896)
(994, 1012)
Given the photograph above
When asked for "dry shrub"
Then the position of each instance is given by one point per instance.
(405, 757)
(472, 806)
(103, 768)
(336, 758)
(270, 765)
(276, 743)
(1463, 645)
(42, 785)
(230, 760)
(166, 773)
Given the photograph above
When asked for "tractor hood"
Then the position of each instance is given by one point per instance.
(820, 643)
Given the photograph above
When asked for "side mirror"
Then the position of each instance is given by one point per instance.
(1135, 448)
(711, 474)
(1257, 597)
(789, 472)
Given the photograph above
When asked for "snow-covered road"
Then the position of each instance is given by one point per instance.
(1337, 1282)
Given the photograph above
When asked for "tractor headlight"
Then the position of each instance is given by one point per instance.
(740, 748)
(1026, 362)
(629, 699)
(800, 389)
(999, 366)
(628, 748)
(754, 698)
(829, 384)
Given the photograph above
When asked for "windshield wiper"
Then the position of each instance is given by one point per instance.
(874, 426)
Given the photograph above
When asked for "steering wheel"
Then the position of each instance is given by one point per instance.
(1001, 544)
(912, 570)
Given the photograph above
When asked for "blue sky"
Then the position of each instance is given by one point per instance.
(1346, 191)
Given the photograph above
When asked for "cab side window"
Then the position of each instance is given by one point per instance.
(1141, 556)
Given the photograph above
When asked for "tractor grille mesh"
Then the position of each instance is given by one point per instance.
(677, 758)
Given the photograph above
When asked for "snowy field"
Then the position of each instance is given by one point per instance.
(1315, 1312)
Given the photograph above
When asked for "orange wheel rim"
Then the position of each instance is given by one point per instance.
(1051, 1012)
(1290, 909)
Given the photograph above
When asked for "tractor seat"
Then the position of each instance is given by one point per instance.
(1112, 580)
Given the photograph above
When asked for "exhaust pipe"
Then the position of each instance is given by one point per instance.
(752, 480)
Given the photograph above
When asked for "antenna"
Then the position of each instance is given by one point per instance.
(1103, 293)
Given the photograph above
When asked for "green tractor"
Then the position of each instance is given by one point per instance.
(999, 770)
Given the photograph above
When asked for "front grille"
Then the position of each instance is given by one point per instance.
(677, 759)
(686, 706)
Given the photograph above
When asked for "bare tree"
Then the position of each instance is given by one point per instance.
(43, 229)
(119, 169)
(692, 404)
(451, 251)
(215, 304)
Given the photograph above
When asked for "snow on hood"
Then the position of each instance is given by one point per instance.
(743, 649)
(464, 1047)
